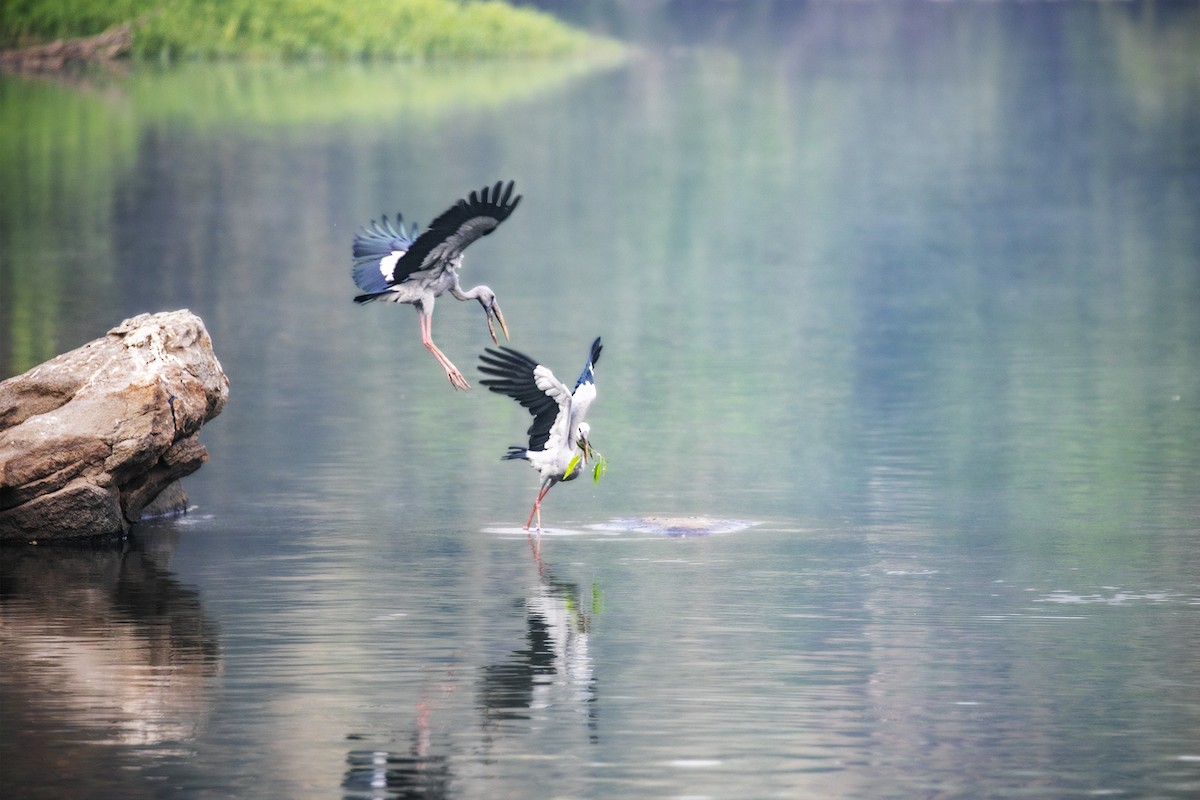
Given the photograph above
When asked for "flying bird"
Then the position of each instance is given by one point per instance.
(558, 427)
(396, 265)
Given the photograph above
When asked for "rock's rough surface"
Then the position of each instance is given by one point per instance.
(90, 438)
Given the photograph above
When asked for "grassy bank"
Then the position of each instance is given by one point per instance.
(303, 29)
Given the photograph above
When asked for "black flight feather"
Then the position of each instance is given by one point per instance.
(455, 228)
(513, 376)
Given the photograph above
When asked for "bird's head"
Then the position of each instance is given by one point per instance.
(487, 299)
(586, 452)
(584, 444)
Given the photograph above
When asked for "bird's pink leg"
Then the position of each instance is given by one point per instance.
(456, 378)
(537, 509)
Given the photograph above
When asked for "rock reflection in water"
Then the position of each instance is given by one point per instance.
(101, 646)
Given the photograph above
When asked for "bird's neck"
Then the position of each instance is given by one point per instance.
(471, 294)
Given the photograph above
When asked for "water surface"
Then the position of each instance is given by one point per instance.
(912, 288)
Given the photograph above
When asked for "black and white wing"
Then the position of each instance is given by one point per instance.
(377, 249)
(464, 222)
(585, 388)
(534, 387)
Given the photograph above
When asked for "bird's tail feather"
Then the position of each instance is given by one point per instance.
(515, 452)
(368, 277)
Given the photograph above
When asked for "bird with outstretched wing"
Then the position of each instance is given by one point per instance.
(559, 427)
(395, 264)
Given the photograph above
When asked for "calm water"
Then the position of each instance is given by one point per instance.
(913, 288)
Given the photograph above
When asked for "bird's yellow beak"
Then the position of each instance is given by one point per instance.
(495, 311)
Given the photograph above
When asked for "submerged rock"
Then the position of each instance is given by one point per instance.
(90, 438)
(693, 525)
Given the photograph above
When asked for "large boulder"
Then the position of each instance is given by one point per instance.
(89, 439)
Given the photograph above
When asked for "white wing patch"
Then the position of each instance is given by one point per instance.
(557, 391)
(550, 385)
(387, 264)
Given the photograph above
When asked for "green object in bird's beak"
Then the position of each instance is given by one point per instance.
(598, 469)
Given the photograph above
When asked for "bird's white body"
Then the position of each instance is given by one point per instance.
(422, 289)
(554, 459)
(418, 286)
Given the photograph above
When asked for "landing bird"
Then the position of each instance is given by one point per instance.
(558, 428)
(398, 266)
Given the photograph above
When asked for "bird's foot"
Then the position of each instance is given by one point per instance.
(456, 379)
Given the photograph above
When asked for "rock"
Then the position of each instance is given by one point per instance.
(694, 525)
(171, 502)
(115, 42)
(92, 437)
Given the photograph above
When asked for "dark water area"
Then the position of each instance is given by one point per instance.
(900, 297)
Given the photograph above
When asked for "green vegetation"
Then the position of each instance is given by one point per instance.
(295, 29)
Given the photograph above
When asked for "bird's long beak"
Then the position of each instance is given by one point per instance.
(495, 311)
(587, 450)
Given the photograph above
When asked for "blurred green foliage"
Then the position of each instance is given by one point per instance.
(27, 22)
(257, 98)
(295, 29)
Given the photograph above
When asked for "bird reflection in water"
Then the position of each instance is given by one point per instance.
(379, 774)
(550, 674)
(375, 774)
(554, 670)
